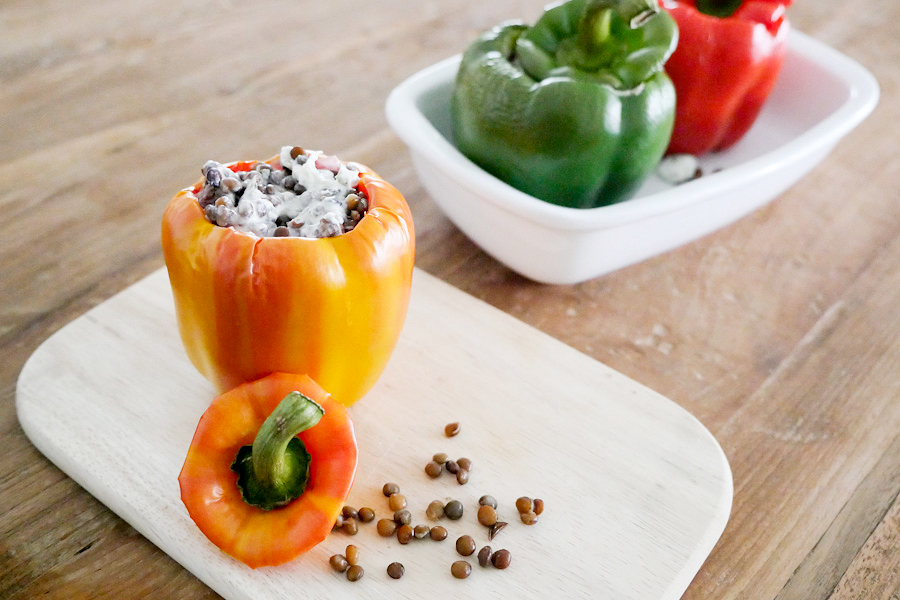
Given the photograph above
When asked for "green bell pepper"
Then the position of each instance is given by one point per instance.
(576, 110)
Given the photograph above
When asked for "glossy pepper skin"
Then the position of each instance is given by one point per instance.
(575, 110)
(209, 487)
(332, 308)
(724, 68)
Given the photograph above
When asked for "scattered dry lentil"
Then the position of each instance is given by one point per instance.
(451, 429)
(529, 518)
(405, 533)
(524, 504)
(403, 517)
(366, 514)
(350, 526)
(352, 554)
(484, 556)
(462, 477)
(487, 516)
(453, 510)
(389, 489)
(433, 469)
(487, 500)
(495, 529)
(451, 466)
(440, 458)
(501, 559)
(538, 506)
(397, 501)
(438, 533)
(420, 531)
(395, 570)
(435, 510)
(355, 573)
(464, 463)
(348, 512)
(460, 569)
(386, 527)
(338, 563)
(465, 545)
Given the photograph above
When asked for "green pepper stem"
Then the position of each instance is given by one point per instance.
(635, 12)
(274, 470)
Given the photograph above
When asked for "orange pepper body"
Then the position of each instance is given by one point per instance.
(209, 487)
(332, 308)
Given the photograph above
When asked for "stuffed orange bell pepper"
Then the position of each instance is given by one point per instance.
(300, 264)
(269, 469)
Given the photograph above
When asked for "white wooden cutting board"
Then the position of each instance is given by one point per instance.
(636, 490)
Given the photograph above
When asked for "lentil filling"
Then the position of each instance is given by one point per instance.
(305, 194)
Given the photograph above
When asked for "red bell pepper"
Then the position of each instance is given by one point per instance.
(728, 57)
(269, 468)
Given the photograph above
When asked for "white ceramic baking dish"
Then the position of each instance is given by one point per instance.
(820, 96)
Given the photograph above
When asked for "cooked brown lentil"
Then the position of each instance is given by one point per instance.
(389, 489)
(339, 563)
(465, 545)
(438, 533)
(487, 515)
(355, 573)
(524, 504)
(440, 458)
(420, 531)
(397, 501)
(538, 506)
(395, 570)
(309, 195)
(460, 569)
(402, 517)
(366, 514)
(435, 510)
(464, 463)
(462, 477)
(433, 469)
(487, 500)
(453, 510)
(484, 556)
(501, 559)
(451, 429)
(352, 554)
(405, 533)
(386, 527)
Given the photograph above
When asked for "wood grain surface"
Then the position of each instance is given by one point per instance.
(780, 333)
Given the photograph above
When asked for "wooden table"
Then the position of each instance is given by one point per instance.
(781, 333)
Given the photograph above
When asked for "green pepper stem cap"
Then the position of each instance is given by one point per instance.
(718, 8)
(274, 470)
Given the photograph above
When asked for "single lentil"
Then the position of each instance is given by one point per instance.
(355, 573)
(420, 531)
(350, 526)
(464, 463)
(438, 533)
(484, 556)
(465, 545)
(462, 476)
(487, 515)
(453, 510)
(451, 466)
(390, 489)
(524, 504)
(397, 501)
(348, 512)
(460, 569)
(405, 533)
(501, 559)
(487, 500)
(529, 518)
(435, 510)
(538, 506)
(352, 554)
(338, 563)
(451, 429)
(395, 570)
(440, 458)
(433, 469)
(386, 527)
(496, 528)
(366, 514)
(403, 517)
